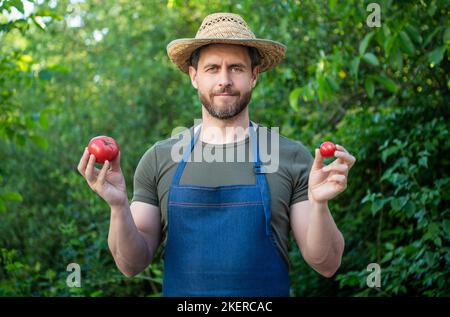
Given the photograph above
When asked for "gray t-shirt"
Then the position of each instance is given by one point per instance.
(287, 185)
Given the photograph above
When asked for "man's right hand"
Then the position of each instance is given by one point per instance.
(108, 183)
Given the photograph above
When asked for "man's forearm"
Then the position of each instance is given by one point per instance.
(325, 243)
(128, 247)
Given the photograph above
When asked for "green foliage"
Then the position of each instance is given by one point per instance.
(74, 69)
(395, 211)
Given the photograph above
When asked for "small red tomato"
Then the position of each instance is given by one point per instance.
(104, 148)
(327, 149)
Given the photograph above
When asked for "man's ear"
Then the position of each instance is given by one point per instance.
(193, 75)
(255, 74)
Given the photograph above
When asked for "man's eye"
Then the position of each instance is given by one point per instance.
(236, 69)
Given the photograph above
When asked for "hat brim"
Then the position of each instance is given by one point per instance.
(180, 50)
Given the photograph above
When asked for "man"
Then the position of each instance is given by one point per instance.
(224, 225)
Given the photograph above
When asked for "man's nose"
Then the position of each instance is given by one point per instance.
(224, 78)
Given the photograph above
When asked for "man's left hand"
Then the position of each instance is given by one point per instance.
(326, 182)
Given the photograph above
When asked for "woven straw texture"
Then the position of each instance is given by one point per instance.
(225, 28)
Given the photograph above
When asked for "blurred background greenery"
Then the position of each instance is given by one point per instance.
(70, 70)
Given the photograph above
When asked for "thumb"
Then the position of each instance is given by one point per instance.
(318, 160)
(115, 164)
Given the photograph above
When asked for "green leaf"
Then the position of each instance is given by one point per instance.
(354, 66)
(293, 98)
(29, 123)
(410, 208)
(432, 9)
(332, 83)
(438, 241)
(40, 141)
(332, 4)
(370, 87)
(20, 139)
(436, 56)
(12, 196)
(398, 203)
(45, 74)
(371, 59)
(365, 42)
(377, 205)
(37, 23)
(388, 152)
(370, 197)
(414, 33)
(308, 93)
(446, 36)
(18, 4)
(429, 257)
(389, 44)
(430, 37)
(386, 30)
(58, 68)
(396, 59)
(43, 120)
(321, 88)
(406, 44)
(410, 250)
(387, 257)
(446, 225)
(423, 161)
(48, 13)
(389, 84)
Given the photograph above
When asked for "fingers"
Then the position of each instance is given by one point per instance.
(115, 164)
(91, 172)
(340, 180)
(345, 157)
(318, 160)
(83, 162)
(341, 148)
(336, 167)
(102, 174)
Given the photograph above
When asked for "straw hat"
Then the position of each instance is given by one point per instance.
(224, 28)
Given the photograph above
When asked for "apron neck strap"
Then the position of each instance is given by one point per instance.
(259, 172)
(187, 153)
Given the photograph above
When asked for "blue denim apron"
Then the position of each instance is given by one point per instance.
(219, 239)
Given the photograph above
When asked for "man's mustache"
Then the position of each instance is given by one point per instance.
(228, 92)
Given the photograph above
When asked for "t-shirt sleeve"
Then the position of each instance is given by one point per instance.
(145, 179)
(301, 166)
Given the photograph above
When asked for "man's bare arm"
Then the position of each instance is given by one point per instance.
(134, 236)
(319, 240)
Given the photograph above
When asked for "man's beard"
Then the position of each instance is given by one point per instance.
(228, 111)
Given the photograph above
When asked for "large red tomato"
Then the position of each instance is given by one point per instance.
(327, 149)
(104, 148)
